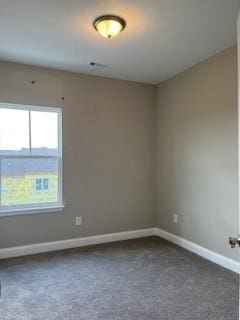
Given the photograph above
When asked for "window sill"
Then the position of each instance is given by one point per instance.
(24, 211)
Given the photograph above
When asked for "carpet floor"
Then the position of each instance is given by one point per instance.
(144, 279)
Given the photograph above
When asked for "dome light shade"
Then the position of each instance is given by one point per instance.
(109, 26)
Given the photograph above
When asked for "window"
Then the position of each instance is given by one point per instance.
(45, 184)
(38, 184)
(30, 158)
(41, 184)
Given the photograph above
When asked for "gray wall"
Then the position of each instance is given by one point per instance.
(197, 153)
(108, 153)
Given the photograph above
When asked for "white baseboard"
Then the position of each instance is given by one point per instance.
(119, 236)
(74, 243)
(201, 251)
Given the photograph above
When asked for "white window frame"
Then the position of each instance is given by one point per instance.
(38, 207)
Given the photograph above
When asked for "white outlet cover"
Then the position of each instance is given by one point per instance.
(78, 221)
(175, 218)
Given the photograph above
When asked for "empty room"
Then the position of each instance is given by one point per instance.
(119, 160)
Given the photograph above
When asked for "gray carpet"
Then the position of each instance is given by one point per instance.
(144, 279)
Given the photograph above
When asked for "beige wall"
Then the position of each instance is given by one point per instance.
(108, 153)
(197, 153)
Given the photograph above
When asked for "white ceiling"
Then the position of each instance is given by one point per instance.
(162, 37)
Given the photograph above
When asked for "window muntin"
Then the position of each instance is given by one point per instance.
(30, 164)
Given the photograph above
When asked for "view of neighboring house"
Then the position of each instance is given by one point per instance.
(29, 180)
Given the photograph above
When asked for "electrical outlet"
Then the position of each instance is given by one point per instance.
(175, 218)
(78, 221)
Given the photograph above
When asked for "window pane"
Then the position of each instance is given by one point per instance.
(14, 131)
(44, 133)
(29, 181)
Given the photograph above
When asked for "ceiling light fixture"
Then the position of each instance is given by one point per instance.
(109, 26)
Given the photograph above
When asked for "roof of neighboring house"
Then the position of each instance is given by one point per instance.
(22, 166)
